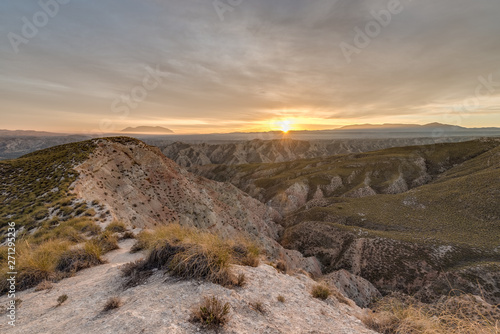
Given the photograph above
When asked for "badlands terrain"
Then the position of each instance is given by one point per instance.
(294, 246)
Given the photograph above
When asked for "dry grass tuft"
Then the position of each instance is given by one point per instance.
(212, 312)
(36, 263)
(321, 291)
(465, 314)
(112, 303)
(191, 254)
(75, 260)
(107, 241)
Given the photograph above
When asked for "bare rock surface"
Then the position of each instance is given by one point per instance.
(164, 304)
(354, 287)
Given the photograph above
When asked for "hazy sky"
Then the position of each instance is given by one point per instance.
(102, 65)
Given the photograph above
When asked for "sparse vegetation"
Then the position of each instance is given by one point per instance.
(112, 303)
(321, 291)
(36, 182)
(42, 258)
(212, 312)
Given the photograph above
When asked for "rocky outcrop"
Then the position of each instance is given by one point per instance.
(354, 287)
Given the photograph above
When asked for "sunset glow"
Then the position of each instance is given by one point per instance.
(284, 125)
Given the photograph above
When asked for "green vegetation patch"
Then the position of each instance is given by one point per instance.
(32, 184)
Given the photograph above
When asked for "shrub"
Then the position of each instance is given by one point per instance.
(321, 291)
(281, 299)
(112, 303)
(61, 299)
(212, 312)
(116, 226)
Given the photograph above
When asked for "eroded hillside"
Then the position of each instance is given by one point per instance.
(189, 155)
(415, 219)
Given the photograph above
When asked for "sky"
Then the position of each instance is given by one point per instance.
(205, 66)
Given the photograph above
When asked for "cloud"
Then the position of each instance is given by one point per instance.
(264, 58)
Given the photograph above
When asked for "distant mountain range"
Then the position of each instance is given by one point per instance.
(148, 129)
(29, 133)
(411, 127)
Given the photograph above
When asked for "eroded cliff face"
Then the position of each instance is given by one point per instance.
(286, 188)
(142, 187)
(426, 271)
(279, 150)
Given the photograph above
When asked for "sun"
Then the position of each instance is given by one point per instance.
(284, 125)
